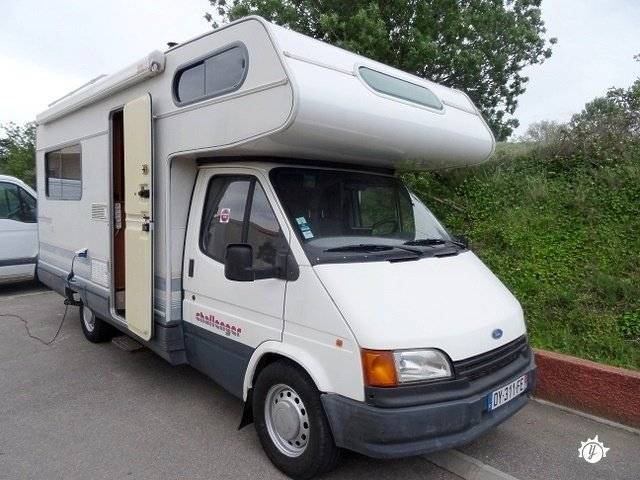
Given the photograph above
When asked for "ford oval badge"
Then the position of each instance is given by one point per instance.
(496, 334)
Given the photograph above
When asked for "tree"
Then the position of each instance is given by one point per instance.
(605, 131)
(18, 152)
(608, 128)
(544, 132)
(478, 46)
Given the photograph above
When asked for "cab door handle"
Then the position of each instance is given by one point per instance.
(190, 273)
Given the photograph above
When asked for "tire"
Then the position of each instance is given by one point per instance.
(296, 416)
(95, 329)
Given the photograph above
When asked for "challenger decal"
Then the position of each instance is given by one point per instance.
(226, 328)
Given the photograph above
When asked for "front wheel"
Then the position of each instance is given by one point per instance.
(291, 423)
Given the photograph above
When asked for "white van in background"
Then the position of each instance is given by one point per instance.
(232, 204)
(18, 231)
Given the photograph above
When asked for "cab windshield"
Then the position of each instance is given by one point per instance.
(353, 216)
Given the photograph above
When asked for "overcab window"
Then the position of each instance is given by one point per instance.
(395, 87)
(212, 76)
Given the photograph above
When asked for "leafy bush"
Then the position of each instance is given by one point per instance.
(605, 132)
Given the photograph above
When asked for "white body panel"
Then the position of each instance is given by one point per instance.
(18, 242)
(450, 303)
(313, 325)
(254, 307)
(17, 273)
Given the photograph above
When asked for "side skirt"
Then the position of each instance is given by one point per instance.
(167, 340)
(220, 358)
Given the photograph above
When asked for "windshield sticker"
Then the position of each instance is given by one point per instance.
(225, 214)
(304, 227)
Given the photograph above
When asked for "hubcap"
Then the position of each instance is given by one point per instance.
(287, 420)
(89, 319)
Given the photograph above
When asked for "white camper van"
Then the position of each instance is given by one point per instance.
(231, 203)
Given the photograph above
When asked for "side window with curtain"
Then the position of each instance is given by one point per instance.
(237, 210)
(63, 173)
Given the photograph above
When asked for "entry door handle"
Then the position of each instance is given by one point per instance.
(144, 192)
(146, 223)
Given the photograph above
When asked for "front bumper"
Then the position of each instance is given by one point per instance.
(407, 431)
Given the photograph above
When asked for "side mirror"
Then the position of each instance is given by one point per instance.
(238, 263)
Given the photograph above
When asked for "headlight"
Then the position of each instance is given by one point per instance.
(385, 368)
(417, 365)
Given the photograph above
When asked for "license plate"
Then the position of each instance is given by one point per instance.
(505, 394)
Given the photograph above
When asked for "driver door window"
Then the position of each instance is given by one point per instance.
(224, 213)
(29, 212)
(16, 204)
(237, 210)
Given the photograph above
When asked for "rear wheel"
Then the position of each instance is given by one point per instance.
(95, 329)
(291, 423)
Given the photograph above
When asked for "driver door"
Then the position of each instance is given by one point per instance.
(18, 233)
(226, 320)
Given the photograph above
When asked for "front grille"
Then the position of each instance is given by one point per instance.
(486, 363)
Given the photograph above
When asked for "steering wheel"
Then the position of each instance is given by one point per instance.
(386, 221)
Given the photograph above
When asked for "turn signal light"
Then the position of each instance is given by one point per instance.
(379, 368)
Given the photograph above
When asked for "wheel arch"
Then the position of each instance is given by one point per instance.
(270, 351)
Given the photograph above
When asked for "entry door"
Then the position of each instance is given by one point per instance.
(138, 236)
(226, 320)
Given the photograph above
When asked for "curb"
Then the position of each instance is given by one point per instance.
(466, 467)
(609, 392)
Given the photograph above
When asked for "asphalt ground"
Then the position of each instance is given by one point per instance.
(77, 410)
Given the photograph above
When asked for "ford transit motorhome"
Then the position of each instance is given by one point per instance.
(231, 203)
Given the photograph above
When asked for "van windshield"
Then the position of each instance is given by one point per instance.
(350, 216)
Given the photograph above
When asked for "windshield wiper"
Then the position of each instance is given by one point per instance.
(363, 247)
(427, 242)
(373, 247)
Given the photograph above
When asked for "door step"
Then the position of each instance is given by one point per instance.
(126, 343)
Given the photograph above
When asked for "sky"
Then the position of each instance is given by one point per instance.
(48, 48)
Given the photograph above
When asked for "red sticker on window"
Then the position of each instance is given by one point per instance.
(225, 214)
